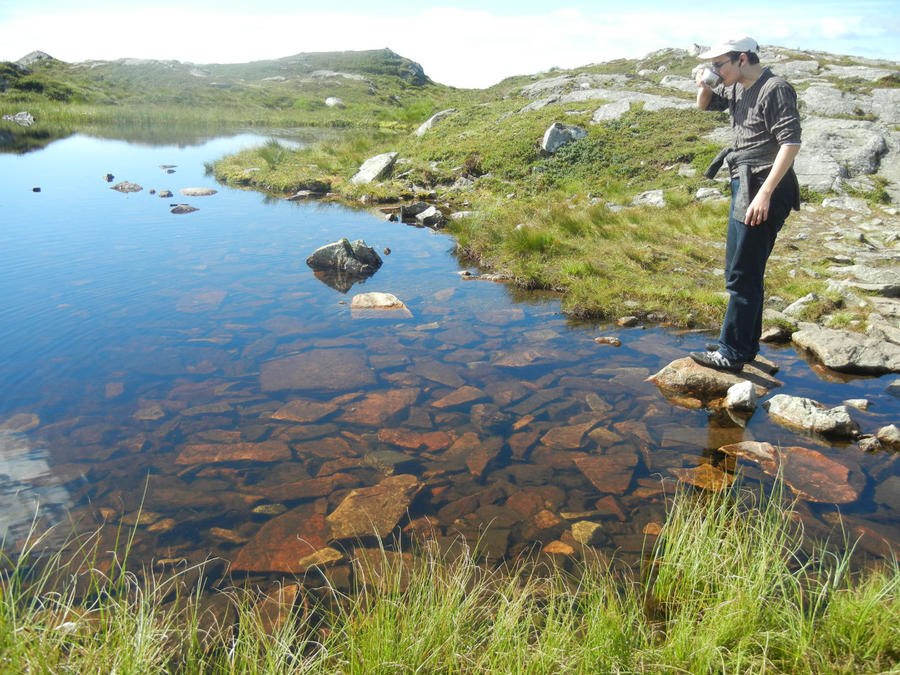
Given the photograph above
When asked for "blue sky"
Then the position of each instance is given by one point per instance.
(466, 44)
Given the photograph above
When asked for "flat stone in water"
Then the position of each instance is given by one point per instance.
(304, 411)
(286, 543)
(203, 301)
(318, 369)
(465, 394)
(209, 453)
(705, 476)
(374, 510)
(376, 408)
(567, 437)
(611, 472)
(197, 192)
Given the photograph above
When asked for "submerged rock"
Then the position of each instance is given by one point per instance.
(374, 510)
(287, 543)
(318, 369)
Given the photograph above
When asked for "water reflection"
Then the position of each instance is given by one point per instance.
(201, 357)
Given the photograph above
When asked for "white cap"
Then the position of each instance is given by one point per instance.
(744, 44)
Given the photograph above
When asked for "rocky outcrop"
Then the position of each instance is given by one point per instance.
(835, 149)
(809, 415)
(849, 352)
(375, 168)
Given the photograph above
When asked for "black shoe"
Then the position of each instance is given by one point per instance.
(711, 346)
(717, 360)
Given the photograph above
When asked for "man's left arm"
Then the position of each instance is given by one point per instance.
(758, 211)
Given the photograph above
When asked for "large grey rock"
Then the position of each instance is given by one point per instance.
(431, 121)
(430, 217)
(796, 308)
(862, 72)
(889, 436)
(558, 135)
(680, 83)
(825, 100)
(809, 415)
(23, 118)
(835, 149)
(654, 198)
(622, 100)
(794, 70)
(346, 256)
(849, 352)
(375, 168)
(742, 396)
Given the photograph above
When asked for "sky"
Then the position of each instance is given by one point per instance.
(466, 43)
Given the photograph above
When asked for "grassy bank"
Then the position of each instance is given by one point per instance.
(728, 587)
(563, 222)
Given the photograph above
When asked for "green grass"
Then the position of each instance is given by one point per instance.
(730, 586)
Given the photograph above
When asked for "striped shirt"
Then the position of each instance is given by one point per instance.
(763, 116)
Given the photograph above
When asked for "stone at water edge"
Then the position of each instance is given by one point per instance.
(742, 396)
(809, 415)
(684, 376)
(889, 436)
(849, 352)
(375, 168)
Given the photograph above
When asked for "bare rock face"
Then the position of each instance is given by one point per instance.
(808, 415)
(850, 352)
(374, 510)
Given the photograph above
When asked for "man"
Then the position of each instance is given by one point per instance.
(764, 188)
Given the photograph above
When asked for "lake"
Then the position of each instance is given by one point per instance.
(189, 378)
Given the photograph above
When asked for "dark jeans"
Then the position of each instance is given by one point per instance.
(747, 250)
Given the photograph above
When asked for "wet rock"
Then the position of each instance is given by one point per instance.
(181, 209)
(684, 376)
(304, 411)
(461, 396)
(20, 423)
(374, 510)
(889, 436)
(269, 509)
(870, 444)
(375, 168)
(318, 369)
(567, 437)
(431, 217)
(431, 121)
(705, 477)
(378, 305)
(808, 473)
(432, 441)
(125, 187)
(741, 396)
(612, 341)
(888, 493)
(809, 415)
(165, 194)
(209, 453)
(849, 352)
(307, 489)
(378, 407)
(611, 472)
(353, 258)
(198, 192)
(481, 455)
(588, 533)
(285, 543)
(557, 135)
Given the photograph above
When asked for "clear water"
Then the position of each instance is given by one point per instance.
(135, 336)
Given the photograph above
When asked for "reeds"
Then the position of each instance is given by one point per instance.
(728, 587)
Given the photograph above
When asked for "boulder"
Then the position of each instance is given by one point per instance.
(23, 118)
(379, 305)
(849, 352)
(835, 149)
(685, 376)
(654, 198)
(126, 187)
(334, 102)
(889, 436)
(430, 217)
(557, 135)
(809, 415)
(375, 168)
(179, 209)
(355, 258)
(705, 193)
(741, 396)
(829, 101)
(431, 121)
